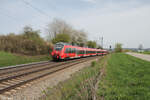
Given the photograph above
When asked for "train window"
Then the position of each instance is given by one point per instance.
(74, 50)
(87, 52)
(80, 51)
(58, 47)
(77, 51)
(66, 51)
(69, 50)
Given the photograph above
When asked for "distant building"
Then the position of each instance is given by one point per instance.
(140, 50)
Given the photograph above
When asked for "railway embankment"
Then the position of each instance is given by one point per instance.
(28, 83)
(83, 85)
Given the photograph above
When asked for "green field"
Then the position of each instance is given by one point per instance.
(127, 78)
(146, 52)
(7, 59)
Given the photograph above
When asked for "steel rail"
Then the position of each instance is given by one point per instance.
(23, 65)
(66, 65)
(35, 70)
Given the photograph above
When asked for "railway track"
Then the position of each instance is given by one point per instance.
(13, 77)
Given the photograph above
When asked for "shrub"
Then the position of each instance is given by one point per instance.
(93, 63)
(28, 43)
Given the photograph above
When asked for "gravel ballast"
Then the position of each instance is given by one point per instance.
(34, 90)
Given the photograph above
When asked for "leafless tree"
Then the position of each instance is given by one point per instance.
(58, 26)
(140, 47)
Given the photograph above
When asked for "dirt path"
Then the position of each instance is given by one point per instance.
(141, 56)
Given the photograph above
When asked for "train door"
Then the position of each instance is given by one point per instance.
(74, 52)
(76, 55)
(71, 53)
(67, 52)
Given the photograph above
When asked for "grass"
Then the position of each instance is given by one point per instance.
(146, 52)
(79, 87)
(8, 59)
(127, 78)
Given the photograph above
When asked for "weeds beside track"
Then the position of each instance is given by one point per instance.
(81, 86)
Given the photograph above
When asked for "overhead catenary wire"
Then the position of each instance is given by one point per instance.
(35, 8)
(4, 13)
(9, 16)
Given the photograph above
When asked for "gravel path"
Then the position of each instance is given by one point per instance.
(34, 90)
(141, 56)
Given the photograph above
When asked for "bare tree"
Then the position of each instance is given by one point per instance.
(78, 37)
(140, 47)
(58, 26)
(118, 47)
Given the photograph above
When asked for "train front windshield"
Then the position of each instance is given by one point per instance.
(58, 47)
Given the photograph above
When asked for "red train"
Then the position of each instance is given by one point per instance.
(65, 51)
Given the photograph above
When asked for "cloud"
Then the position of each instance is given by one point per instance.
(125, 21)
(116, 24)
(90, 1)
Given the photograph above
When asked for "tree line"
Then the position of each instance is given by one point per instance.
(29, 42)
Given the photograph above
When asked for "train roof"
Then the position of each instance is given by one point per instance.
(62, 43)
(67, 44)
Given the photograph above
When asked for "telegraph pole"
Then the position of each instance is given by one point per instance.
(101, 40)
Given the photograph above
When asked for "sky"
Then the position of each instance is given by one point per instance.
(117, 21)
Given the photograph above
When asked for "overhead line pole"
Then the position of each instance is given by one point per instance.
(102, 42)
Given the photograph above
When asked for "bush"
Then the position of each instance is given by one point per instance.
(61, 38)
(28, 43)
(118, 47)
(93, 63)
